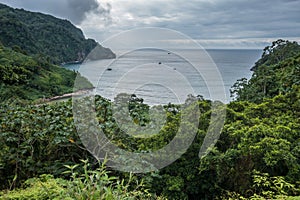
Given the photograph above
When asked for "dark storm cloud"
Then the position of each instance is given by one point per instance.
(79, 9)
(74, 10)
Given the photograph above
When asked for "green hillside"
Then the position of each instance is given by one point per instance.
(256, 157)
(276, 72)
(25, 77)
(46, 36)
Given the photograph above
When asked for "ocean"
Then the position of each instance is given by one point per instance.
(163, 76)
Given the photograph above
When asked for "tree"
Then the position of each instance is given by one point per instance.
(274, 73)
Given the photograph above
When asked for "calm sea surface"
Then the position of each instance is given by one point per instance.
(160, 76)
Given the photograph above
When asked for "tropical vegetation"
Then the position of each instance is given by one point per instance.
(29, 78)
(256, 157)
(56, 40)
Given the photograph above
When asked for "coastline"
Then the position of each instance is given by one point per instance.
(69, 95)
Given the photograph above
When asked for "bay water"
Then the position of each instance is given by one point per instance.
(164, 76)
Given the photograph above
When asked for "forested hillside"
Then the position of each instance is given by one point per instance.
(42, 35)
(30, 46)
(28, 78)
(256, 157)
(276, 72)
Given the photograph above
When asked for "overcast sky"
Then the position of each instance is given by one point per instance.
(214, 23)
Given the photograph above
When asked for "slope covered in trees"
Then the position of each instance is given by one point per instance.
(46, 36)
(276, 72)
(256, 157)
(257, 154)
(29, 78)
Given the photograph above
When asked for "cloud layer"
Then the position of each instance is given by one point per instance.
(210, 20)
(74, 10)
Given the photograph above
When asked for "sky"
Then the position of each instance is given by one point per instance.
(213, 23)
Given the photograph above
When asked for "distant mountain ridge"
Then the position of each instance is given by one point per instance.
(43, 35)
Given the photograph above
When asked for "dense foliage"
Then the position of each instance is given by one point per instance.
(43, 35)
(90, 184)
(276, 72)
(257, 154)
(29, 78)
(256, 157)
